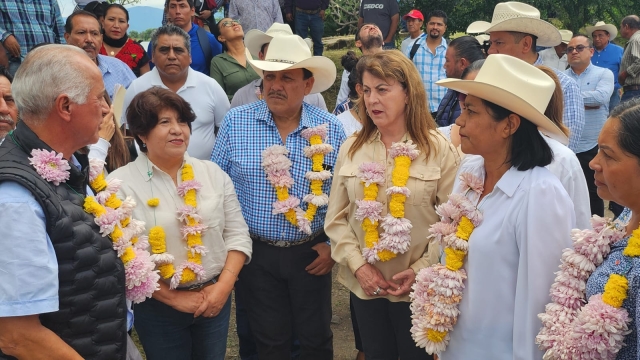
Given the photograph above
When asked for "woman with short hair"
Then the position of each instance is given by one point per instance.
(197, 235)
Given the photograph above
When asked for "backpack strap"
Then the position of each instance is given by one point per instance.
(205, 45)
(414, 48)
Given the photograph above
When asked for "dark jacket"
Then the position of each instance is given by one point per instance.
(449, 109)
(92, 315)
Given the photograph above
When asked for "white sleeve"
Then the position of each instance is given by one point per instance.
(220, 104)
(543, 229)
(236, 231)
(128, 96)
(99, 150)
(343, 94)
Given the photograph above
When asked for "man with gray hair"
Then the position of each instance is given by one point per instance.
(8, 108)
(62, 283)
(172, 56)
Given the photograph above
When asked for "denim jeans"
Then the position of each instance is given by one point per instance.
(628, 95)
(615, 100)
(168, 334)
(389, 46)
(313, 23)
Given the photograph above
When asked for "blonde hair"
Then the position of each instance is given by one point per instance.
(556, 104)
(392, 64)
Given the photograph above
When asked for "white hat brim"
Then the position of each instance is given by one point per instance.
(508, 101)
(611, 29)
(546, 33)
(254, 39)
(323, 69)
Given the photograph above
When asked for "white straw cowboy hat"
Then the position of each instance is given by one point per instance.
(600, 25)
(291, 52)
(566, 36)
(516, 86)
(516, 16)
(254, 39)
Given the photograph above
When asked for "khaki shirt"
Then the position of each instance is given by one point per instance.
(430, 183)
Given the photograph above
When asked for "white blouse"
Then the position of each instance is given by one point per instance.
(217, 204)
(512, 258)
(349, 123)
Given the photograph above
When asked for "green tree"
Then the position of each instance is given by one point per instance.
(342, 17)
(134, 34)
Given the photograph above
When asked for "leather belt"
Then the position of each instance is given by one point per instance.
(631, 87)
(308, 11)
(287, 243)
(198, 287)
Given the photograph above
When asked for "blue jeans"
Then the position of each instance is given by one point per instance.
(168, 334)
(389, 46)
(314, 23)
(615, 100)
(628, 95)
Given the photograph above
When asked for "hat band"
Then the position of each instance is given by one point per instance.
(281, 61)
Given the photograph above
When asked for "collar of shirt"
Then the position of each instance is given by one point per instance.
(263, 113)
(442, 45)
(102, 65)
(156, 80)
(510, 181)
(635, 36)
(586, 71)
(146, 167)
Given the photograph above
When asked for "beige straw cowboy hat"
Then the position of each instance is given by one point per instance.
(600, 25)
(254, 39)
(516, 16)
(292, 52)
(566, 36)
(516, 86)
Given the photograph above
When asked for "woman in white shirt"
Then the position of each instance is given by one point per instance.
(197, 235)
(525, 223)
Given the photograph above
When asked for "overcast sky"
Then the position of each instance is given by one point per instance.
(66, 6)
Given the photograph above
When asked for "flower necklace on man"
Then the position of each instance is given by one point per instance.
(277, 166)
(113, 215)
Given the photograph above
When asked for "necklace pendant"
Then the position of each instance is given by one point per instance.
(112, 53)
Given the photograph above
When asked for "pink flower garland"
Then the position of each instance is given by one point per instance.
(438, 289)
(141, 278)
(50, 166)
(571, 330)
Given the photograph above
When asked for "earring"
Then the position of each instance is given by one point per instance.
(144, 145)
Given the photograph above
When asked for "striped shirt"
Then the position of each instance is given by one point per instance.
(573, 114)
(431, 69)
(31, 23)
(631, 60)
(245, 133)
(596, 86)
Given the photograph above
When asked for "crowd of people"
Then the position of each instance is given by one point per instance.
(451, 181)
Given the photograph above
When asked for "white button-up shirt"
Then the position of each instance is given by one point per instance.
(512, 258)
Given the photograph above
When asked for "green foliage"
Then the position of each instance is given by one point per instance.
(123, 2)
(569, 14)
(134, 35)
(341, 18)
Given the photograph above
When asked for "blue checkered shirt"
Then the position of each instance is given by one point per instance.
(31, 23)
(245, 132)
(431, 69)
(114, 72)
(573, 115)
(596, 85)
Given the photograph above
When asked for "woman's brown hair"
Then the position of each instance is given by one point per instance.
(556, 104)
(118, 154)
(393, 65)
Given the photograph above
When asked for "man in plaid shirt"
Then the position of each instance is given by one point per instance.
(25, 24)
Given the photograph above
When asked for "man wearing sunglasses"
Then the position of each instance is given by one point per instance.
(596, 86)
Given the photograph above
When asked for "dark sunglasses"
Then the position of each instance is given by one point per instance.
(230, 23)
(578, 48)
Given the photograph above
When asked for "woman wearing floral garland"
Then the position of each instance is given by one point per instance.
(197, 236)
(116, 42)
(388, 178)
(605, 258)
(505, 223)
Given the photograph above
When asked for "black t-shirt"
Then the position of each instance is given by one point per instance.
(379, 12)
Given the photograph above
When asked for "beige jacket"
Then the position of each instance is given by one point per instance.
(430, 182)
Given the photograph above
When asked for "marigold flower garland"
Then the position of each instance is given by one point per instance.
(396, 237)
(438, 288)
(596, 330)
(114, 218)
(191, 269)
(277, 165)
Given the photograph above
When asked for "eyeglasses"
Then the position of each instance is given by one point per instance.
(230, 23)
(578, 48)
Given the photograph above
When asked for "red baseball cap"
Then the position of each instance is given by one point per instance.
(416, 14)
